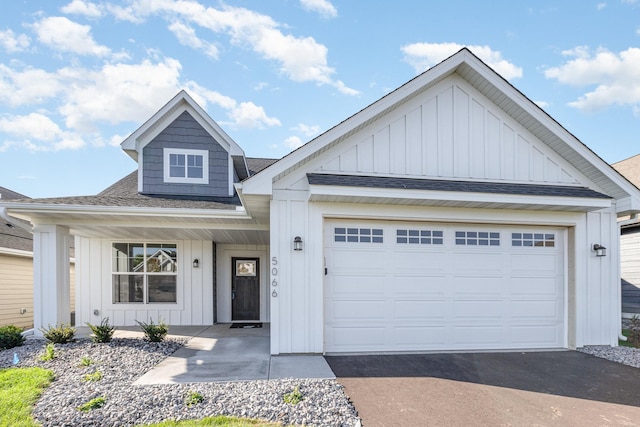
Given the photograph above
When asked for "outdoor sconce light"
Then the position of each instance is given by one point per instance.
(196, 263)
(297, 243)
(599, 249)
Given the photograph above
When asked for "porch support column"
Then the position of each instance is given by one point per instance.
(51, 284)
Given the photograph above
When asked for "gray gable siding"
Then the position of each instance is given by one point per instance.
(185, 133)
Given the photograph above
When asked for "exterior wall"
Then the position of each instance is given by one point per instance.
(224, 253)
(450, 131)
(16, 290)
(591, 290)
(194, 287)
(630, 270)
(186, 133)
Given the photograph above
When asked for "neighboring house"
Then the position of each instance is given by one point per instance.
(630, 244)
(16, 265)
(452, 214)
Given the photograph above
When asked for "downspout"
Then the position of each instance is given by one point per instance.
(13, 221)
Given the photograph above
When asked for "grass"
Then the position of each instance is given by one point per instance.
(19, 390)
(220, 421)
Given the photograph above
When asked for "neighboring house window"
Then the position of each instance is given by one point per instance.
(533, 239)
(357, 235)
(186, 166)
(419, 237)
(478, 238)
(144, 273)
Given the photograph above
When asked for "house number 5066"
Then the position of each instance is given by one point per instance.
(274, 272)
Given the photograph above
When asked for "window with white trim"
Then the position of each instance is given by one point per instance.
(186, 166)
(419, 237)
(357, 235)
(478, 238)
(144, 273)
(547, 240)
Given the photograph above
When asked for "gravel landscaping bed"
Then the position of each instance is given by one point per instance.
(625, 355)
(125, 359)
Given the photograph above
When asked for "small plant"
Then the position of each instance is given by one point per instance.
(92, 378)
(49, 353)
(59, 334)
(96, 403)
(154, 332)
(86, 361)
(294, 397)
(10, 336)
(103, 332)
(634, 331)
(193, 398)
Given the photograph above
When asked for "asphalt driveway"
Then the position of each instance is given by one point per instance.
(562, 388)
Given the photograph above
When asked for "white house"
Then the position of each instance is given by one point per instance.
(452, 214)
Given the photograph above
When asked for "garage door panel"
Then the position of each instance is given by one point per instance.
(477, 285)
(420, 310)
(358, 310)
(413, 295)
(421, 336)
(479, 310)
(343, 285)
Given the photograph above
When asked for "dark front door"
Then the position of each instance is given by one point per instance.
(245, 289)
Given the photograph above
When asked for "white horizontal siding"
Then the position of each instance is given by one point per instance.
(451, 132)
(630, 258)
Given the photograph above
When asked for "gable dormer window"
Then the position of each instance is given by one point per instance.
(186, 166)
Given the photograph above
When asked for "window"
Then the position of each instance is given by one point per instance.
(186, 166)
(358, 235)
(547, 240)
(144, 273)
(419, 237)
(478, 238)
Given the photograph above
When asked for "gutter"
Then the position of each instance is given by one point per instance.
(13, 221)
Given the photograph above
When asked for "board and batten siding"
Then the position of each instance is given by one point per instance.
(451, 131)
(16, 290)
(185, 133)
(194, 287)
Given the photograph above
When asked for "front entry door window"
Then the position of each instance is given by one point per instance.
(245, 289)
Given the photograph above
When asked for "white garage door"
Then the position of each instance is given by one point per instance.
(395, 286)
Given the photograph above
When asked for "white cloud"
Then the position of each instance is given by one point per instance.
(27, 87)
(84, 8)
(306, 130)
(601, 6)
(249, 115)
(187, 37)
(12, 42)
(38, 132)
(62, 34)
(614, 75)
(293, 142)
(424, 55)
(323, 7)
(301, 59)
(542, 104)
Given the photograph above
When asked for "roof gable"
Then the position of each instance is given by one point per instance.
(494, 88)
(135, 143)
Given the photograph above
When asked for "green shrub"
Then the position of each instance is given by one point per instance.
(103, 332)
(61, 334)
(92, 378)
(193, 398)
(86, 361)
(634, 331)
(49, 353)
(154, 332)
(10, 336)
(294, 397)
(96, 403)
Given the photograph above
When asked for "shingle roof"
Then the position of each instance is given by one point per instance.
(6, 194)
(14, 237)
(457, 186)
(124, 193)
(630, 169)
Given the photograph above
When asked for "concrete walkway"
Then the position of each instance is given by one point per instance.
(219, 353)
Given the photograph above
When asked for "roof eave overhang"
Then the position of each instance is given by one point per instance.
(343, 194)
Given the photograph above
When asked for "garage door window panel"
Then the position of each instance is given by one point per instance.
(357, 235)
(478, 238)
(547, 240)
(419, 237)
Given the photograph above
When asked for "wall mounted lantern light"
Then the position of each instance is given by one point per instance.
(297, 243)
(599, 249)
(196, 263)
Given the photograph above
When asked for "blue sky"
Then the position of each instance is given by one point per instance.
(76, 77)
